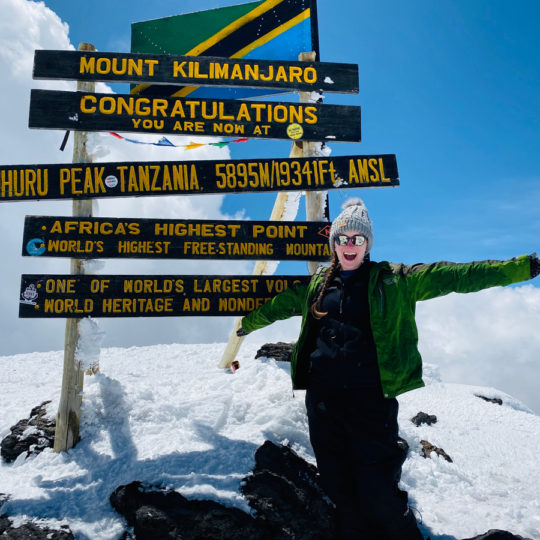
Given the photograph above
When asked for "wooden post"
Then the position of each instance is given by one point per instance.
(299, 149)
(69, 410)
(314, 199)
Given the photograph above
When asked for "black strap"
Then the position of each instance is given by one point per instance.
(64, 142)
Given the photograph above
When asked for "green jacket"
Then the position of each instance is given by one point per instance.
(394, 290)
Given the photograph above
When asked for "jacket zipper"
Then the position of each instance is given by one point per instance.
(380, 298)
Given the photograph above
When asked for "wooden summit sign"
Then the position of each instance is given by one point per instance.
(84, 111)
(77, 296)
(202, 71)
(124, 179)
(50, 236)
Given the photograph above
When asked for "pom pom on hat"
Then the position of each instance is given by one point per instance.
(354, 217)
(354, 201)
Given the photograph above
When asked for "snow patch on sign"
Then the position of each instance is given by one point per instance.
(322, 205)
(96, 143)
(340, 182)
(291, 206)
(270, 268)
(92, 266)
(319, 149)
(315, 97)
(89, 345)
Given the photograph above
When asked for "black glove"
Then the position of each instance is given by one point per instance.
(535, 266)
(241, 332)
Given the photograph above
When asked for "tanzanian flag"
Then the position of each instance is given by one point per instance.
(263, 30)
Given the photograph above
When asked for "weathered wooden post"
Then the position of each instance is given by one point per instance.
(315, 200)
(69, 409)
(313, 213)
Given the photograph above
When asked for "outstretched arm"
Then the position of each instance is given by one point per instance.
(287, 304)
(437, 279)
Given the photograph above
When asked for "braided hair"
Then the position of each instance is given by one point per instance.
(329, 275)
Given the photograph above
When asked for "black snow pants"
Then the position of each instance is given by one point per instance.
(354, 436)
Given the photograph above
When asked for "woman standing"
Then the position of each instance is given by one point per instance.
(356, 352)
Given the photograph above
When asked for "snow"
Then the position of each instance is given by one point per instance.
(291, 206)
(322, 149)
(89, 343)
(315, 97)
(167, 415)
(340, 182)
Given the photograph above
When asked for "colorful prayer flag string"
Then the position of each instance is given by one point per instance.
(165, 142)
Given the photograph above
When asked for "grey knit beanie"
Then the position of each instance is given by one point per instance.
(354, 217)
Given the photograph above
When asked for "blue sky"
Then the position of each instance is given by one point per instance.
(452, 88)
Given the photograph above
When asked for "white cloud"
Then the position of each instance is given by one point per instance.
(486, 338)
(24, 27)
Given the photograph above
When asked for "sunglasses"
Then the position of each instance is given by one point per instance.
(355, 240)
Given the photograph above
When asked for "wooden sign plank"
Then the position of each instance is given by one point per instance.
(154, 178)
(77, 296)
(196, 116)
(201, 71)
(87, 238)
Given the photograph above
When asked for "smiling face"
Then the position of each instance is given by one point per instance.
(350, 256)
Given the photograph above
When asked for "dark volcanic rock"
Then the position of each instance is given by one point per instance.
(427, 448)
(424, 418)
(285, 493)
(31, 531)
(285, 462)
(128, 499)
(157, 513)
(30, 435)
(497, 534)
(496, 400)
(4, 524)
(279, 351)
(283, 490)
